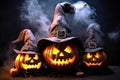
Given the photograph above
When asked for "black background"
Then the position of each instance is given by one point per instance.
(108, 16)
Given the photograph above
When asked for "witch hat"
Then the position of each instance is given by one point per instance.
(59, 29)
(29, 46)
(94, 39)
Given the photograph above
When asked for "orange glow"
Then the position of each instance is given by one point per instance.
(68, 49)
(27, 58)
(17, 61)
(32, 61)
(94, 59)
(36, 57)
(55, 57)
(89, 55)
(63, 61)
(55, 51)
(31, 66)
(61, 54)
(97, 55)
(21, 62)
(93, 64)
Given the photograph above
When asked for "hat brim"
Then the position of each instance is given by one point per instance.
(46, 41)
(24, 52)
(93, 49)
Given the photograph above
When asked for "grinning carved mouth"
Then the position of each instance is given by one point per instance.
(62, 62)
(93, 64)
(31, 66)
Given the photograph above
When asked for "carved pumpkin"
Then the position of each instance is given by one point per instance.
(94, 59)
(28, 62)
(14, 72)
(61, 55)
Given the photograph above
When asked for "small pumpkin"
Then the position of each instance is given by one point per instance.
(28, 62)
(94, 59)
(61, 55)
(14, 72)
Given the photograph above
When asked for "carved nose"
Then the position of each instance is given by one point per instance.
(94, 59)
(61, 54)
(32, 61)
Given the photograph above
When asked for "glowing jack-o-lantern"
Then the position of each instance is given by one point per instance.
(94, 59)
(61, 56)
(28, 61)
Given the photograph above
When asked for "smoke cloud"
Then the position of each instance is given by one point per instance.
(83, 17)
(114, 35)
(10, 55)
(84, 13)
(38, 18)
(33, 14)
(38, 15)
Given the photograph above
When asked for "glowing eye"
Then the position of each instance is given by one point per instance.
(36, 57)
(97, 55)
(89, 55)
(55, 51)
(68, 49)
(27, 58)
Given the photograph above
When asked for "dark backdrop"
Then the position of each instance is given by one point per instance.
(108, 16)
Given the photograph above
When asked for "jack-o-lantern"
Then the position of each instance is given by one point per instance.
(94, 59)
(60, 55)
(28, 61)
(94, 53)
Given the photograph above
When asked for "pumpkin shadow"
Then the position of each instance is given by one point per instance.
(56, 73)
(53, 73)
(99, 71)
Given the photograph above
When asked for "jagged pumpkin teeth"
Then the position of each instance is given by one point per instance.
(28, 62)
(61, 55)
(63, 61)
(36, 66)
(94, 59)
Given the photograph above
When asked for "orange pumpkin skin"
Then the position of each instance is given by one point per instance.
(61, 56)
(28, 62)
(96, 59)
(14, 72)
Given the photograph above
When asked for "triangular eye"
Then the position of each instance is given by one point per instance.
(27, 58)
(36, 57)
(89, 55)
(68, 49)
(55, 51)
(97, 55)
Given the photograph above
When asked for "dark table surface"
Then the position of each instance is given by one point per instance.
(115, 75)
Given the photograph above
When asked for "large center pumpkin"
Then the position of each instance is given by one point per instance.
(61, 55)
